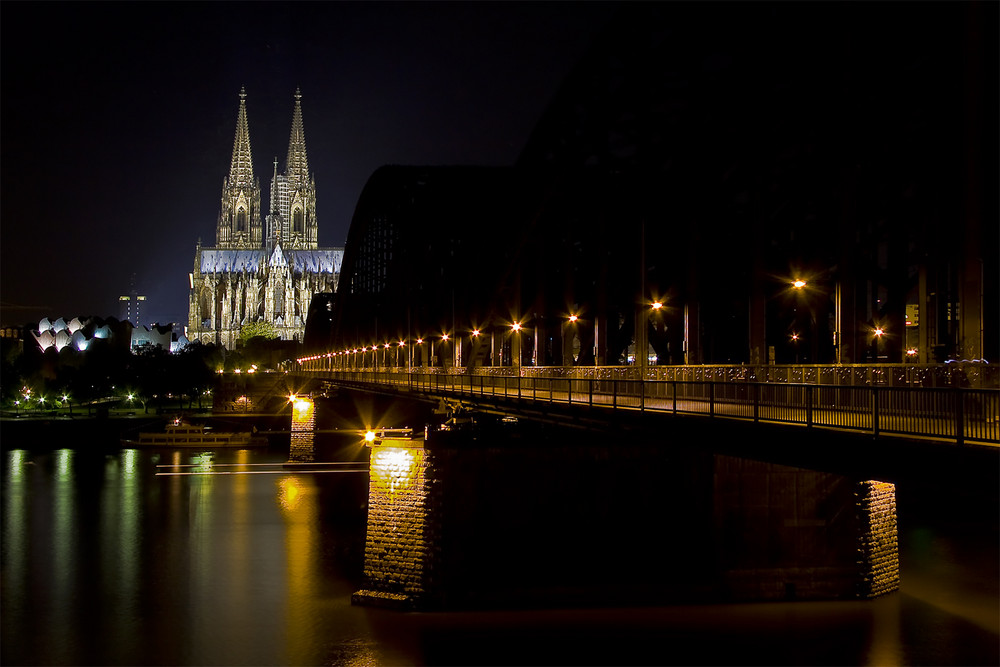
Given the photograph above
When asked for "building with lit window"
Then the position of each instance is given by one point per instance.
(132, 305)
(258, 274)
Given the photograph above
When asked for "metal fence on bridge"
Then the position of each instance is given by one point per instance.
(944, 413)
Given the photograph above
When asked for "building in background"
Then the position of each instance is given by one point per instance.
(257, 275)
(132, 305)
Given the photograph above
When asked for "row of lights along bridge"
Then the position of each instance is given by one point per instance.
(349, 356)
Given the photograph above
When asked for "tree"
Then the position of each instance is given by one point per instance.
(255, 330)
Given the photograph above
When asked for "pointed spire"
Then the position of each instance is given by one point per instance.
(241, 169)
(297, 165)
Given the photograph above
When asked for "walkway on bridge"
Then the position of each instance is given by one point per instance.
(949, 414)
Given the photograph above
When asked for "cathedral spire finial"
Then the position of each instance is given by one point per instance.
(297, 164)
(241, 169)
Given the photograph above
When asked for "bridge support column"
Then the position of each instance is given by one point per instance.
(302, 448)
(600, 341)
(478, 520)
(791, 533)
(398, 565)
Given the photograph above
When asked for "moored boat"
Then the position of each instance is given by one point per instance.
(181, 434)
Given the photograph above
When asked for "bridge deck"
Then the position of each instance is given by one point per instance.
(947, 414)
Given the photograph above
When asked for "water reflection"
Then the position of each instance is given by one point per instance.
(120, 521)
(106, 562)
(14, 529)
(297, 500)
(64, 535)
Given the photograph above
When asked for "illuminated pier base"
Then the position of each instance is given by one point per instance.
(302, 449)
(397, 544)
(458, 523)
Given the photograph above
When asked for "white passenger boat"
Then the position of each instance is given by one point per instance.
(181, 434)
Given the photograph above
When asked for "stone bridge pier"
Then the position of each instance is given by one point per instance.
(455, 521)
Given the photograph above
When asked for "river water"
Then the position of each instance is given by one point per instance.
(123, 556)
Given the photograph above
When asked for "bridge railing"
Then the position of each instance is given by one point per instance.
(954, 414)
(959, 374)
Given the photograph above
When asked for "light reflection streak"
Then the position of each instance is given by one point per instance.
(239, 547)
(298, 501)
(129, 530)
(14, 530)
(251, 472)
(63, 548)
(250, 465)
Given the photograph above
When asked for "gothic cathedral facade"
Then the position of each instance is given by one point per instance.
(258, 274)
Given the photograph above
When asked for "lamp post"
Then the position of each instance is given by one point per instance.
(878, 332)
(515, 347)
(569, 327)
(473, 336)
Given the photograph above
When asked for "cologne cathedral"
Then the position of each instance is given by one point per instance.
(255, 273)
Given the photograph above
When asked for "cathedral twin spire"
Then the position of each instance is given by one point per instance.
(293, 194)
(296, 164)
(241, 169)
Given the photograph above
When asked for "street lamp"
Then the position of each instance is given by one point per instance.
(515, 347)
(568, 359)
(444, 339)
(878, 332)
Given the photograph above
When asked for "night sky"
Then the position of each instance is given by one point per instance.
(118, 122)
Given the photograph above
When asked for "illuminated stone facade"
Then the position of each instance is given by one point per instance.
(253, 276)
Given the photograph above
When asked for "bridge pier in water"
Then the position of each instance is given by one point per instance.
(463, 522)
(301, 448)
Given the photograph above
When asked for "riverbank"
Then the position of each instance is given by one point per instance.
(60, 430)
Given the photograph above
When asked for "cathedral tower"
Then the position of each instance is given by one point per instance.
(239, 223)
(240, 281)
(292, 222)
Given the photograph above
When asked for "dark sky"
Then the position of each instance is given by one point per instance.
(118, 122)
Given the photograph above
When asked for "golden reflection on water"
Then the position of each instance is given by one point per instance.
(885, 639)
(299, 508)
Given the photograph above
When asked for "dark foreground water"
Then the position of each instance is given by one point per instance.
(104, 561)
